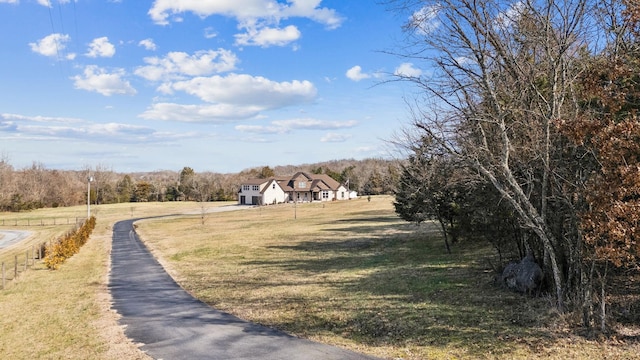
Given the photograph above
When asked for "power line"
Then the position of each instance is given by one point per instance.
(53, 31)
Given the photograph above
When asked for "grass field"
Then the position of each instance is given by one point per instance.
(354, 275)
(345, 273)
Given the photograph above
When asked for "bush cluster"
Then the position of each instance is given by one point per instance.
(68, 245)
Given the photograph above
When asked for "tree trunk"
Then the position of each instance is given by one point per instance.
(444, 232)
(532, 220)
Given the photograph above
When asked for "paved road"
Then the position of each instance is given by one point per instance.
(10, 237)
(173, 325)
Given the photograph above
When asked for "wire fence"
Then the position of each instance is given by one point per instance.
(42, 221)
(21, 263)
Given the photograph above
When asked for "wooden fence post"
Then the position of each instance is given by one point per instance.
(15, 268)
(3, 276)
(26, 260)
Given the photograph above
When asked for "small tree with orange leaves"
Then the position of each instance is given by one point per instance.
(609, 133)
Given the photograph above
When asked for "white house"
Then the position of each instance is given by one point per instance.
(301, 187)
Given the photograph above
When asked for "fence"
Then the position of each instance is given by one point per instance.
(42, 222)
(20, 266)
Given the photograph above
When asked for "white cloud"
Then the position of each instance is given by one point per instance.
(105, 83)
(46, 3)
(426, 20)
(314, 124)
(211, 113)
(176, 65)
(286, 126)
(407, 70)
(148, 44)
(40, 119)
(508, 17)
(266, 10)
(247, 90)
(259, 18)
(101, 47)
(210, 33)
(309, 8)
(261, 129)
(335, 137)
(9, 1)
(52, 45)
(266, 36)
(47, 128)
(356, 74)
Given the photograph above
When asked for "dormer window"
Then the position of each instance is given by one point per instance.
(302, 184)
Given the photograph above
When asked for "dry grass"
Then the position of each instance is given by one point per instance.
(354, 275)
(65, 314)
(344, 273)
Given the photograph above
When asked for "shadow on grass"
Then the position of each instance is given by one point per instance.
(403, 290)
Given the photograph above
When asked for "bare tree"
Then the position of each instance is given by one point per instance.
(501, 73)
(6, 181)
(202, 188)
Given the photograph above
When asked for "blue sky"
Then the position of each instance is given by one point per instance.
(217, 85)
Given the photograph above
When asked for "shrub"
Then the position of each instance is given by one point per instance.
(68, 245)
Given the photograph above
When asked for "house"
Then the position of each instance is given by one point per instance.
(301, 187)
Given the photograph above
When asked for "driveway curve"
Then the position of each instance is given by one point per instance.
(10, 237)
(171, 324)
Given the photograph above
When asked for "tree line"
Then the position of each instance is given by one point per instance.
(526, 134)
(37, 187)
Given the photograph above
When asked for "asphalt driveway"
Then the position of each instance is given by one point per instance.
(171, 324)
(10, 237)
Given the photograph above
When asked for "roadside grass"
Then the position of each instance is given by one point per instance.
(66, 314)
(352, 274)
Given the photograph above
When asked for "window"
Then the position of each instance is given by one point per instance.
(256, 187)
(325, 194)
(343, 194)
(245, 187)
(302, 184)
(273, 186)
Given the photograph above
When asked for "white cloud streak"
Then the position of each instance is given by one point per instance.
(335, 137)
(205, 113)
(42, 128)
(287, 126)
